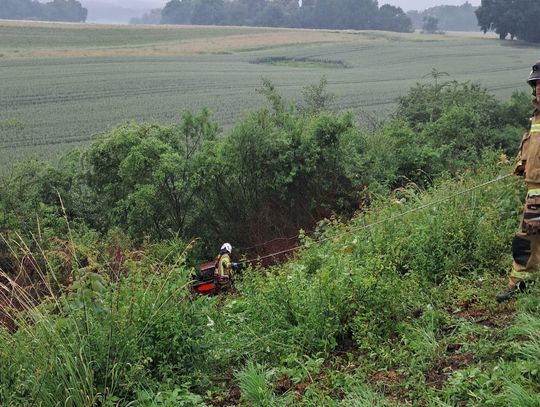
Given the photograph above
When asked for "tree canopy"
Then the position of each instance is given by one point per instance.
(56, 10)
(281, 168)
(431, 24)
(517, 18)
(450, 18)
(334, 14)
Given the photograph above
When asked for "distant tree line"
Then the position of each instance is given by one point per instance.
(150, 17)
(449, 18)
(329, 14)
(517, 18)
(56, 10)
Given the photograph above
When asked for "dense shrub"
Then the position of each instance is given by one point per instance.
(443, 128)
(104, 338)
(370, 286)
(281, 168)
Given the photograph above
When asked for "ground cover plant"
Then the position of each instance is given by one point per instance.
(396, 313)
(64, 83)
(392, 304)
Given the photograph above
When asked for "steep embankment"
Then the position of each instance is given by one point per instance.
(394, 308)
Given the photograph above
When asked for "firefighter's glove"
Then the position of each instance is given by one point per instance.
(520, 169)
(223, 280)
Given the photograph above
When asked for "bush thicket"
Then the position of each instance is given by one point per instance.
(96, 281)
(282, 168)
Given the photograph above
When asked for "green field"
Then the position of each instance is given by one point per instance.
(63, 83)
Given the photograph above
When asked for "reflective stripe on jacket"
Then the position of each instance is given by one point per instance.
(530, 151)
(224, 265)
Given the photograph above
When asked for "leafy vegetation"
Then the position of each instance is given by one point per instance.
(449, 18)
(281, 168)
(387, 300)
(510, 18)
(393, 314)
(431, 25)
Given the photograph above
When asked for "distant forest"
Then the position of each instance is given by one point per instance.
(449, 18)
(344, 14)
(329, 14)
(56, 10)
(514, 19)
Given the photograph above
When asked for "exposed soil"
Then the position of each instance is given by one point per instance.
(8, 304)
(387, 377)
(473, 310)
(229, 398)
(286, 385)
(445, 367)
(232, 398)
(388, 381)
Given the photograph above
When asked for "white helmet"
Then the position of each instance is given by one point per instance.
(227, 247)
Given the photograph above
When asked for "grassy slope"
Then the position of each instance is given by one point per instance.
(395, 308)
(26, 36)
(63, 83)
(453, 345)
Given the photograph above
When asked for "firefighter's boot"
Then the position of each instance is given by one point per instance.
(511, 291)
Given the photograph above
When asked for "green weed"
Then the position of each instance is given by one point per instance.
(255, 386)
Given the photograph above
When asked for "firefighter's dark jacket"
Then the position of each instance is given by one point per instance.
(529, 152)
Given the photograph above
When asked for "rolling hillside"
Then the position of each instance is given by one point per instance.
(63, 83)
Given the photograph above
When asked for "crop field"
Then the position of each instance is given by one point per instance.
(63, 83)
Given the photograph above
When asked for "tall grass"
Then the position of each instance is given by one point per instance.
(254, 384)
(105, 339)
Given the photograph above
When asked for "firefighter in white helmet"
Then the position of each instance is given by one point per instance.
(224, 265)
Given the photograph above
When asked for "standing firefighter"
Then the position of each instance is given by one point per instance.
(526, 242)
(224, 265)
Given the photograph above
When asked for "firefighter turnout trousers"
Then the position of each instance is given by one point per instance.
(526, 242)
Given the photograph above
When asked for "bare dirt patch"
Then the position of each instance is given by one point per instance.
(445, 367)
(478, 313)
(389, 382)
(387, 377)
(231, 396)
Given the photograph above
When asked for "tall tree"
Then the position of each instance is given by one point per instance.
(359, 14)
(271, 16)
(526, 18)
(209, 12)
(491, 17)
(430, 25)
(392, 18)
(177, 12)
(345, 14)
(517, 18)
(19, 9)
(451, 18)
(64, 10)
(56, 10)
